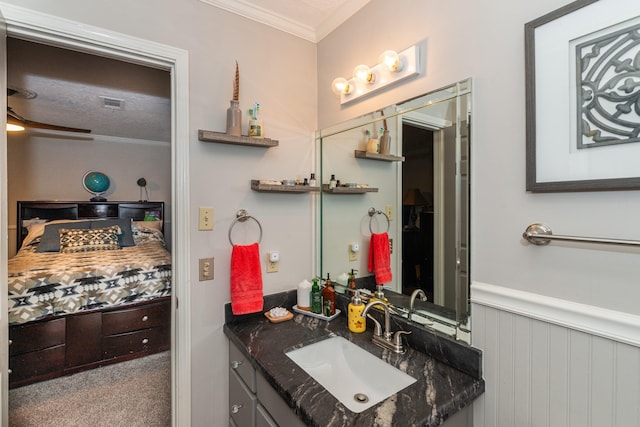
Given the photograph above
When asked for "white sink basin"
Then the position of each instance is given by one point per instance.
(351, 374)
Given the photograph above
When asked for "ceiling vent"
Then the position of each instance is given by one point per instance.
(112, 103)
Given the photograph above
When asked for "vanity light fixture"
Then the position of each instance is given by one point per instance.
(392, 68)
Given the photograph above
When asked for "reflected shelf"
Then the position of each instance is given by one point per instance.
(348, 190)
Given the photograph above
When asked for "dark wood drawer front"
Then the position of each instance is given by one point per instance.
(36, 336)
(150, 340)
(36, 363)
(120, 321)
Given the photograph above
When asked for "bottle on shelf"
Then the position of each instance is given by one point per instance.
(332, 182)
(312, 180)
(328, 298)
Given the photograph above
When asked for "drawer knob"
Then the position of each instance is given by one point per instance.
(145, 318)
(145, 341)
(236, 364)
(236, 408)
(10, 342)
(10, 371)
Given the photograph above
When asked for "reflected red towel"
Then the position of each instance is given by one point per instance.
(380, 258)
(246, 279)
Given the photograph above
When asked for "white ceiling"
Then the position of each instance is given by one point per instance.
(70, 85)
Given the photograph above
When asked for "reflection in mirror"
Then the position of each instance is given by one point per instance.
(418, 193)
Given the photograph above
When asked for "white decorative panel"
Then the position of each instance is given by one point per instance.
(544, 371)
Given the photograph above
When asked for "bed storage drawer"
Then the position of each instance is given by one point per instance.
(36, 336)
(36, 365)
(146, 340)
(133, 319)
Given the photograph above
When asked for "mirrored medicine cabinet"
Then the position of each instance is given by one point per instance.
(418, 193)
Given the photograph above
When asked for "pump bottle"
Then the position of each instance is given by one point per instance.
(356, 322)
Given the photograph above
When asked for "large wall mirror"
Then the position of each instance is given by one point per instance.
(418, 194)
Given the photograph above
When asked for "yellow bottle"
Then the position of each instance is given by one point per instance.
(357, 323)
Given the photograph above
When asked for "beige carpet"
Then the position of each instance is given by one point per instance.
(133, 393)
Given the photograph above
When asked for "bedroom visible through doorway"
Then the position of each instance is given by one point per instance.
(125, 156)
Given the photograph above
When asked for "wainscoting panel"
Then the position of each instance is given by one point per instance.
(552, 372)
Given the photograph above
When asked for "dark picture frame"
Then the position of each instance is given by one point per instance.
(548, 135)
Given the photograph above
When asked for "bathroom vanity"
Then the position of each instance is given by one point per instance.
(269, 389)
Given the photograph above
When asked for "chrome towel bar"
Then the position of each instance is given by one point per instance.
(540, 234)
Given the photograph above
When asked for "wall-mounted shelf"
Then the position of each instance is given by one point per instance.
(347, 190)
(223, 138)
(360, 154)
(270, 188)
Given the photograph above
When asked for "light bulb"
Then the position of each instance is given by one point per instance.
(363, 73)
(340, 86)
(390, 60)
(14, 128)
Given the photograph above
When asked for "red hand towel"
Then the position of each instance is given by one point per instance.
(380, 258)
(246, 279)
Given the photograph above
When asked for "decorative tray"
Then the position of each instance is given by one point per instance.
(289, 316)
(317, 316)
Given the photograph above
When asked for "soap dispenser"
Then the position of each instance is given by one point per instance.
(328, 298)
(352, 279)
(356, 322)
(316, 298)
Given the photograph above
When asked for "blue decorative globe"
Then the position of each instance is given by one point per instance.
(96, 183)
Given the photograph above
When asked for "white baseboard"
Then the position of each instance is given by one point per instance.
(611, 324)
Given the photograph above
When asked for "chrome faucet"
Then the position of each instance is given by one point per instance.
(414, 294)
(385, 339)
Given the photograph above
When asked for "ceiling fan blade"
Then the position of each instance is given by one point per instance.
(13, 117)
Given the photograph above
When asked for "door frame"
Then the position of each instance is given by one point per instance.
(35, 26)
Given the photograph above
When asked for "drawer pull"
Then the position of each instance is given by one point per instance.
(145, 341)
(9, 371)
(236, 408)
(145, 318)
(10, 342)
(236, 364)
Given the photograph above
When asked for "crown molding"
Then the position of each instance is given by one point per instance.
(265, 16)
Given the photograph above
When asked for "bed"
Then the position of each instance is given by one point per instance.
(89, 286)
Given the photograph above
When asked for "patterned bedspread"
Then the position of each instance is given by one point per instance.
(42, 284)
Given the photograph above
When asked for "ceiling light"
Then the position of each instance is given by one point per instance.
(392, 68)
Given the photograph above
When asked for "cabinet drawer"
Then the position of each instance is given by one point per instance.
(275, 404)
(36, 336)
(150, 340)
(242, 402)
(36, 363)
(241, 365)
(133, 319)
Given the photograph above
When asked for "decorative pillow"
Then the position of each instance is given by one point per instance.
(155, 225)
(126, 238)
(94, 239)
(50, 240)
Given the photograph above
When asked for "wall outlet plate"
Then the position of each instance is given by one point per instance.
(205, 269)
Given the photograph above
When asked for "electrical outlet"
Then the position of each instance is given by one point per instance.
(389, 212)
(273, 262)
(206, 269)
(205, 219)
(353, 255)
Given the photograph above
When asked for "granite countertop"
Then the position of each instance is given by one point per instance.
(440, 391)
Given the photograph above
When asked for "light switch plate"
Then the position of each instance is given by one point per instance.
(389, 212)
(206, 269)
(205, 219)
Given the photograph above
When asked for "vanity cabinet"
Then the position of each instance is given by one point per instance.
(252, 401)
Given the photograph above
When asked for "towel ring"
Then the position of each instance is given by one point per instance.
(372, 213)
(243, 216)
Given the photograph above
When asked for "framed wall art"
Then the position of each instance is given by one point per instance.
(582, 66)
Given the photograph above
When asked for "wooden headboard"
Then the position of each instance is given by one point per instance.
(136, 211)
